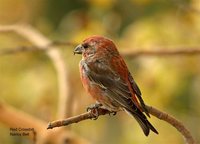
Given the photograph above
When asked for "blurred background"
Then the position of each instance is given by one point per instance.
(28, 81)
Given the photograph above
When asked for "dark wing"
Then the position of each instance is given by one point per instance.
(134, 85)
(100, 73)
(138, 94)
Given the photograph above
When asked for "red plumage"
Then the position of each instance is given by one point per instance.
(106, 78)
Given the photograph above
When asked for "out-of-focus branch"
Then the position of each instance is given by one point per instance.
(163, 52)
(8, 51)
(184, 51)
(153, 111)
(16, 119)
(40, 42)
(55, 44)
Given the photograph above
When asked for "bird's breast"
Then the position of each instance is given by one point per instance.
(91, 87)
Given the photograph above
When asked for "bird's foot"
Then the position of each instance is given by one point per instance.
(94, 110)
(93, 106)
(112, 113)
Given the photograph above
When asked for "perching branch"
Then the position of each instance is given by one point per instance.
(174, 122)
(78, 118)
(153, 111)
(42, 43)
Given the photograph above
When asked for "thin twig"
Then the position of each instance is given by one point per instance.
(16, 50)
(163, 52)
(153, 111)
(52, 45)
(189, 51)
(174, 122)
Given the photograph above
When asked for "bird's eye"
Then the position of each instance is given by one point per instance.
(85, 46)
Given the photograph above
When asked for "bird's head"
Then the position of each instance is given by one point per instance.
(96, 46)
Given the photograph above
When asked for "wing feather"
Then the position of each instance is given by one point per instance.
(138, 94)
(100, 73)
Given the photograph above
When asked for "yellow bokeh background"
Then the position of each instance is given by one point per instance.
(28, 80)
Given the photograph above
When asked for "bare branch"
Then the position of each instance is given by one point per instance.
(8, 51)
(78, 118)
(13, 118)
(15, 50)
(17, 119)
(163, 52)
(64, 110)
(153, 111)
(174, 122)
(42, 43)
(189, 51)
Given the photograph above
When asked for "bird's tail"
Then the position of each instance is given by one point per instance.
(143, 122)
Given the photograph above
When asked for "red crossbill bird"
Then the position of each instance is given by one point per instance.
(106, 78)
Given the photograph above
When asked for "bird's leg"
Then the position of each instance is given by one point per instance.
(94, 109)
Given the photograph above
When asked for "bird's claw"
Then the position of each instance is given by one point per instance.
(94, 110)
(112, 113)
(93, 106)
(95, 117)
